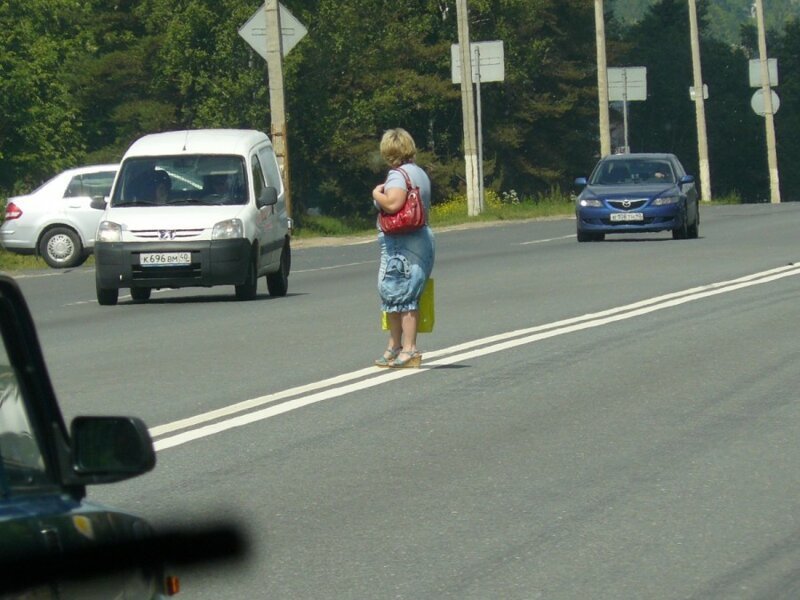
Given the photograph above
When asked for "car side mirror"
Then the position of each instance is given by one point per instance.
(99, 202)
(686, 179)
(109, 449)
(269, 196)
(580, 181)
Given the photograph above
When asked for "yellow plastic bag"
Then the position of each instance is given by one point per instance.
(427, 314)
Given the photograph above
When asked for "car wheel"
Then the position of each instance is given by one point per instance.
(107, 296)
(278, 283)
(247, 290)
(141, 294)
(682, 231)
(584, 236)
(694, 229)
(61, 248)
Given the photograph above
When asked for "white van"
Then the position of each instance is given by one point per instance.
(195, 208)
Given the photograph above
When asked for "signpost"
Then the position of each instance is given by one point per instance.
(273, 31)
(627, 84)
(488, 64)
(254, 31)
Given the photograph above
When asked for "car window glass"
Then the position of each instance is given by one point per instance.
(270, 164)
(21, 460)
(97, 184)
(258, 177)
(75, 187)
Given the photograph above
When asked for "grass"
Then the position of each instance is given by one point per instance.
(497, 207)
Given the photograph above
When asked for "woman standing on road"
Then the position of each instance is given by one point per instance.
(406, 259)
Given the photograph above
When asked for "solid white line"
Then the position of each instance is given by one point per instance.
(563, 237)
(353, 264)
(374, 376)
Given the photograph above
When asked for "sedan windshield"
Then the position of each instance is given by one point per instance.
(178, 180)
(627, 171)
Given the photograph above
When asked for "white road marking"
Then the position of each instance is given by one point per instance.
(244, 413)
(555, 239)
(352, 264)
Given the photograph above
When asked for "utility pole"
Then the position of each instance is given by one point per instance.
(766, 90)
(277, 107)
(699, 105)
(602, 79)
(474, 201)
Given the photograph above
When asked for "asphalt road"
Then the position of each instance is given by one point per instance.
(599, 420)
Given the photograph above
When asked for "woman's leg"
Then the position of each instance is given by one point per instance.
(409, 321)
(395, 330)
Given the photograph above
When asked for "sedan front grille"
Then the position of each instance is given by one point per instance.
(627, 204)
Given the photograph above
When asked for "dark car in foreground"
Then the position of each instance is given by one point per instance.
(45, 516)
(637, 193)
(54, 542)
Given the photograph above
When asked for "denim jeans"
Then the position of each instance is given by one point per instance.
(406, 263)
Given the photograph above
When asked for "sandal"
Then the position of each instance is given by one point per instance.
(389, 355)
(412, 361)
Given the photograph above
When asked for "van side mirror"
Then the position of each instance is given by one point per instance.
(99, 202)
(269, 196)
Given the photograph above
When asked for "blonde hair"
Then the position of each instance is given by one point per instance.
(397, 147)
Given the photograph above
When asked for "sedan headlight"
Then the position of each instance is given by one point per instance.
(228, 230)
(664, 200)
(592, 202)
(108, 231)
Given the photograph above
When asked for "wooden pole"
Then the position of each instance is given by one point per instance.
(699, 105)
(277, 107)
(468, 109)
(602, 79)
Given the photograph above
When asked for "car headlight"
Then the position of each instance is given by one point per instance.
(664, 200)
(592, 202)
(108, 231)
(228, 230)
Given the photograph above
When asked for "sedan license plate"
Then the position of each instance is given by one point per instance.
(627, 216)
(165, 259)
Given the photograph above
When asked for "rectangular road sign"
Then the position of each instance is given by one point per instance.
(627, 83)
(755, 72)
(491, 65)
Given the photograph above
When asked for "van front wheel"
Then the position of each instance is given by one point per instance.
(247, 290)
(278, 282)
(107, 296)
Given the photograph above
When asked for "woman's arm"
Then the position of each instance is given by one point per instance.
(391, 200)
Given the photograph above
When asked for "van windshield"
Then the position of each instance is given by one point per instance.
(185, 179)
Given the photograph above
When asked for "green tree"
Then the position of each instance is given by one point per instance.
(40, 122)
(786, 48)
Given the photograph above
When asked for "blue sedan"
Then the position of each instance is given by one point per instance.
(636, 193)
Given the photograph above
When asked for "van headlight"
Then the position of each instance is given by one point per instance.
(664, 200)
(108, 231)
(228, 230)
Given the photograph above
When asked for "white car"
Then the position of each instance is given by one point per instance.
(195, 208)
(59, 219)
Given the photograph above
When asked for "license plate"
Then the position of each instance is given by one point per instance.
(627, 216)
(165, 259)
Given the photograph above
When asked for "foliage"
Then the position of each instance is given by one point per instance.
(39, 123)
(79, 81)
(726, 17)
